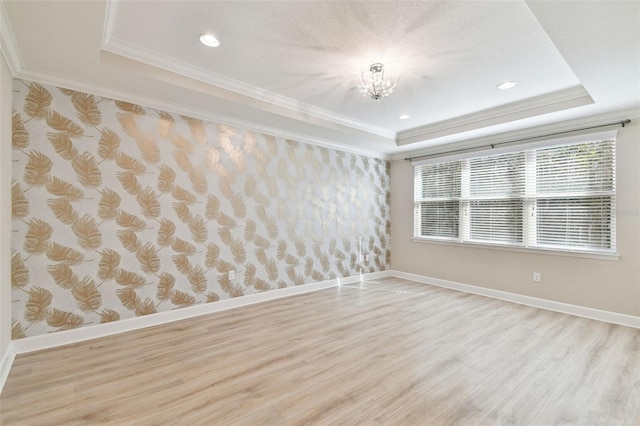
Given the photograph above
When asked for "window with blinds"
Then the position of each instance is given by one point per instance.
(555, 197)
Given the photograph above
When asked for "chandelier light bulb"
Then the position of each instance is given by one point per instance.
(374, 85)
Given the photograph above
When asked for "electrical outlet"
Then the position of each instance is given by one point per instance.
(232, 274)
(536, 277)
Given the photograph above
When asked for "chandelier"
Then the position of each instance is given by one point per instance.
(374, 85)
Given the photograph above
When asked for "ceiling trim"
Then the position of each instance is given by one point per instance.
(176, 108)
(118, 47)
(551, 102)
(8, 43)
(531, 132)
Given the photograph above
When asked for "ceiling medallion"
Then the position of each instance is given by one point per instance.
(374, 85)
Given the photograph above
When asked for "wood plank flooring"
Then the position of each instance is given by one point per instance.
(387, 352)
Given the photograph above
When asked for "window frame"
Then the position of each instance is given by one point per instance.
(529, 205)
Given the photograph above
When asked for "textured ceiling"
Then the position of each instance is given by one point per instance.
(292, 66)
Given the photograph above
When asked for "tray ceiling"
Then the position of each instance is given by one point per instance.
(291, 67)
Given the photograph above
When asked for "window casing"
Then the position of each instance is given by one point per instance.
(558, 197)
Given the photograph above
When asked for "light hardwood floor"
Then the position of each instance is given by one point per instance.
(391, 352)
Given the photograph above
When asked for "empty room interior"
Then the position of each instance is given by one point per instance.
(320, 212)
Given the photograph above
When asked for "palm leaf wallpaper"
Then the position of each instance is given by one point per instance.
(122, 211)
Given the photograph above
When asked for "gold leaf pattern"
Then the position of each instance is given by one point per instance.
(166, 232)
(128, 278)
(128, 123)
(130, 164)
(238, 251)
(109, 315)
(166, 178)
(37, 169)
(109, 203)
(271, 267)
(198, 229)
(213, 251)
(60, 188)
(129, 182)
(38, 101)
(182, 159)
(148, 201)
(181, 246)
(148, 148)
(223, 266)
(132, 108)
(212, 296)
(37, 306)
(165, 286)
(198, 181)
(63, 320)
(87, 295)
(198, 280)
(20, 136)
(261, 285)
(62, 145)
(238, 206)
(147, 255)
(250, 274)
(146, 308)
(63, 275)
(19, 203)
(165, 124)
(182, 144)
(129, 240)
(87, 170)
(17, 332)
(182, 210)
(63, 210)
(87, 109)
(181, 194)
(108, 266)
(36, 240)
(128, 298)
(87, 233)
(226, 220)
(182, 263)
(62, 124)
(59, 253)
(250, 230)
(213, 204)
(182, 299)
(109, 144)
(19, 273)
(127, 220)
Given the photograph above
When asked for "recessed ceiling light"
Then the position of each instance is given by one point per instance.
(404, 116)
(506, 85)
(209, 40)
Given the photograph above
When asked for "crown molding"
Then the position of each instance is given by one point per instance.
(537, 132)
(136, 53)
(8, 44)
(538, 105)
(176, 108)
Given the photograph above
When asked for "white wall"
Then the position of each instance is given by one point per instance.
(601, 284)
(5, 206)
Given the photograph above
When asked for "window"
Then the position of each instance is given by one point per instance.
(558, 195)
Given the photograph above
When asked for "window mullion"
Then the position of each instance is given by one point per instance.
(465, 195)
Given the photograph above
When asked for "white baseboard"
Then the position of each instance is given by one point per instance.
(45, 341)
(5, 364)
(566, 308)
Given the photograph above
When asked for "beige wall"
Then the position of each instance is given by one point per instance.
(5, 207)
(601, 284)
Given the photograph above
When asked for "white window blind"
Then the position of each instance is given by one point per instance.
(556, 197)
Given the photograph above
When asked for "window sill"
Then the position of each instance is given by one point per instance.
(550, 252)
